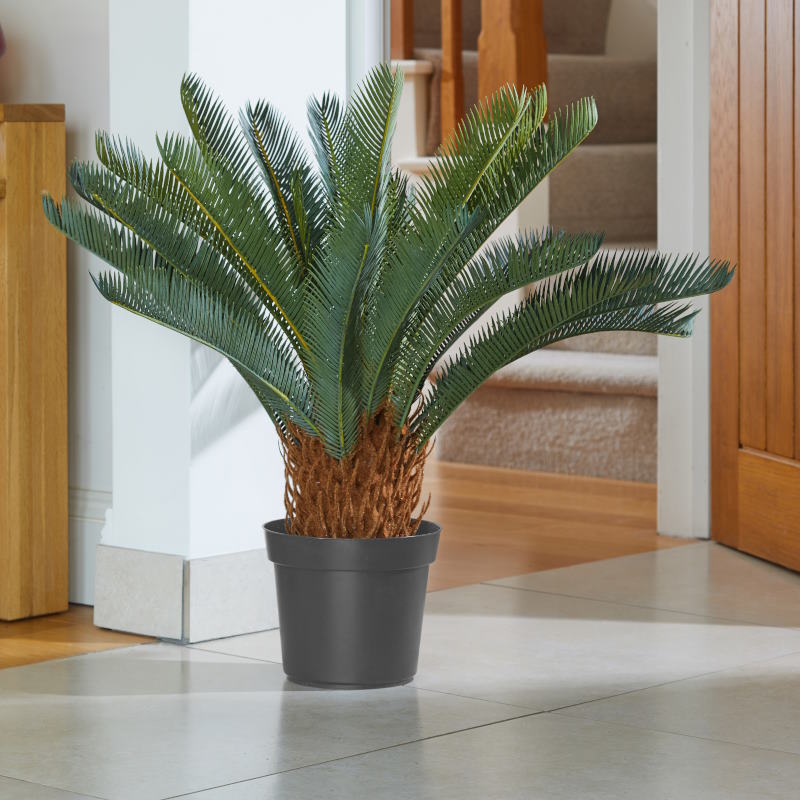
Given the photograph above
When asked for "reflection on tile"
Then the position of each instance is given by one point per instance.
(704, 578)
(11, 789)
(756, 705)
(547, 757)
(544, 651)
(159, 720)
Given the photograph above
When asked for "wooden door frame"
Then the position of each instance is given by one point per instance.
(724, 243)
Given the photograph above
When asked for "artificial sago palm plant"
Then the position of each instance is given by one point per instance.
(337, 290)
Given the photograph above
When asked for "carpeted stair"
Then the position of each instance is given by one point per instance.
(587, 405)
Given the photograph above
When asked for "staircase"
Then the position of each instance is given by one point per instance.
(587, 405)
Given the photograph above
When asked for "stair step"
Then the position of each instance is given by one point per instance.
(625, 91)
(576, 26)
(575, 371)
(607, 187)
(561, 411)
(578, 433)
(570, 26)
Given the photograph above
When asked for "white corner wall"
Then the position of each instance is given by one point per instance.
(58, 53)
(237, 480)
(683, 227)
(149, 51)
(197, 468)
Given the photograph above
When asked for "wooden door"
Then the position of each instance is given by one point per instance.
(755, 323)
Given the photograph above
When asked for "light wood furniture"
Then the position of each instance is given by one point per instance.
(511, 49)
(33, 365)
(755, 323)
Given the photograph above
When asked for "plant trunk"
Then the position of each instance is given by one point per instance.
(370, 494)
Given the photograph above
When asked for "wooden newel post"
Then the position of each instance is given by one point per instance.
(402, 29)
(511, 45)
(452, 68)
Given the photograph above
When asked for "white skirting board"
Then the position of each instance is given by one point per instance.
(87, 509)
(189, 600)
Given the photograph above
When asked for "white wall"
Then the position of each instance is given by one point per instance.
(58, 53)
(237, 480)
(149, 50)
(683, 226)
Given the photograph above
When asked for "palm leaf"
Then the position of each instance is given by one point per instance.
(335, 288)
(611, 291)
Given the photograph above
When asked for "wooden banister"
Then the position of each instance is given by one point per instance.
(511, 49)
(511, 45)
(402, 29)
(452, 97)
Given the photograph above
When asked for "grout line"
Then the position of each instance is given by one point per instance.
(667, 683)
(555, 712)
(231, 655)
(475, 699)
(638, 605)
(358, 755)
(678, 733)
(54, 788)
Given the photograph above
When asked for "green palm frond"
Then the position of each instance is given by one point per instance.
(367, 131)
(297, 195)
(333, 285)
(325, 123)
(618, 292)
(505, 266)
(157, 191)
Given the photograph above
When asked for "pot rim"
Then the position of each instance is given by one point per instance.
(360, 555)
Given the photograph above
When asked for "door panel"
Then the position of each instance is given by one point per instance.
(755, 323)
(779, 353)
(752, 237)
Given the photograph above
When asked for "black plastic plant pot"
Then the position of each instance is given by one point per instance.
(350, 610)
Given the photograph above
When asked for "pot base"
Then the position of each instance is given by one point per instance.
(347, 686)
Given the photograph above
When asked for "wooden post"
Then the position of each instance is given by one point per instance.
(402, 29)
(511, 46)
(33, 366)
(452, 98)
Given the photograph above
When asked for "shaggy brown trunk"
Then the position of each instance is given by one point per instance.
(371, 494)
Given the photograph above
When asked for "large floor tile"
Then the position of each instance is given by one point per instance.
(545, 757)
(756, 705)
(11, 789)
(545, 651)
(161, 720)
(704, 578)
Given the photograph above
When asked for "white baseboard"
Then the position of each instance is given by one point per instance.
(87, 508)
(157, 594)
(228, 595)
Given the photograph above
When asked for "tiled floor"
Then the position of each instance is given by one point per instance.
(671, 674)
